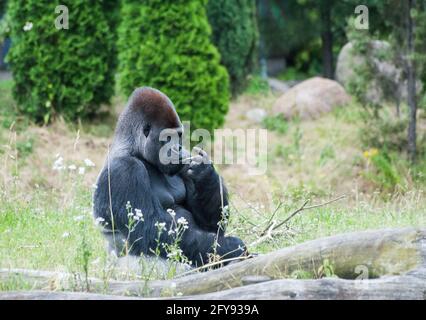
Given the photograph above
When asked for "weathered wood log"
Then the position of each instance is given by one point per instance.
(58, 295)
(372, 253)
(408, 287)
(387, 288)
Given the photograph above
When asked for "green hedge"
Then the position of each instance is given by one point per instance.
(67, 72)
(236, 35)
(166, 44)
(3, 4)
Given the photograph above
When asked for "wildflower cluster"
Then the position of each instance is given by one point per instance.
(175, 232)
(59, 165)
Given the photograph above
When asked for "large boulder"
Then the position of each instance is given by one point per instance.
(311, 98)
(348, 62)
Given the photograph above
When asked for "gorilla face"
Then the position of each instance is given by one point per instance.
(157, 130)
(163, 148)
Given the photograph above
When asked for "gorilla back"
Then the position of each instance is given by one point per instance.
(140, 197)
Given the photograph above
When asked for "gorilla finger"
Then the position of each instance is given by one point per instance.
(196, 160)
(201, 152)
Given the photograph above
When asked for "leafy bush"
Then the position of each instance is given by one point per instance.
(235, 34)
(257, 86)
(2, 7)
(384, 131)
(166, 44)
(384, 172)
(68, 71)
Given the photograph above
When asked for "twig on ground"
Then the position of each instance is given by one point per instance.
(273, 226)
(268, 225)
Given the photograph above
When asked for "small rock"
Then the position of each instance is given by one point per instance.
(278, 86)
(256, 115)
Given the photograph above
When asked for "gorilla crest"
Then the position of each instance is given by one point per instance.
(134, 174)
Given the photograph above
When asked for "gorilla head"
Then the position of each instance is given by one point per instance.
(150, 129)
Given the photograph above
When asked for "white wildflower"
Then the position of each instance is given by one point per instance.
(170, 232)
(99, 220)
(79, 218)
(171, 212)
(28, 26)
(89, 163)
(65, 235)
(160, 225)
(174, 253)
(182, 221)
(58, 165)
(72, 167)
(138, 213)
(81, 170)
(136, 218)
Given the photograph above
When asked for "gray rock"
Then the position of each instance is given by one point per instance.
(256, 115)
(278, 86)
(311, 98)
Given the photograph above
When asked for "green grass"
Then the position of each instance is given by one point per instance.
(45, 232)
(345, 215)
(257, 86)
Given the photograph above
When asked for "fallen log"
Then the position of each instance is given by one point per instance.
(367, 254)
(58, 295)
(387, 288)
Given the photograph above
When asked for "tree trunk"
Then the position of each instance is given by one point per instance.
(411, 83)
(327, 39)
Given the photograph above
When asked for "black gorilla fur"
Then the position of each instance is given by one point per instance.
(133, 173)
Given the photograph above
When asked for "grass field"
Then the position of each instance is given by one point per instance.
(45, 214)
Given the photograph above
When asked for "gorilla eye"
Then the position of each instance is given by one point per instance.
(146, 130)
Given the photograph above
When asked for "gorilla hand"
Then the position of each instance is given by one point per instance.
(199, 165)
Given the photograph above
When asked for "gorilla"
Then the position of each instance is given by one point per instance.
(187, 189)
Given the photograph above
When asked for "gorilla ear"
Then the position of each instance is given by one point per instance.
(146, 129)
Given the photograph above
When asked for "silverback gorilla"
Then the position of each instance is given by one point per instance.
(135, 175)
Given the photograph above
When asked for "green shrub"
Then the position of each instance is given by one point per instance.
(68, 71)
(276, 123)
(385, 173)
(3, 4)
(384, 131)
(257, 86)
(235, 34)
(166, 44)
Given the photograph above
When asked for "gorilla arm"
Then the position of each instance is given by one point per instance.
(206, 195)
